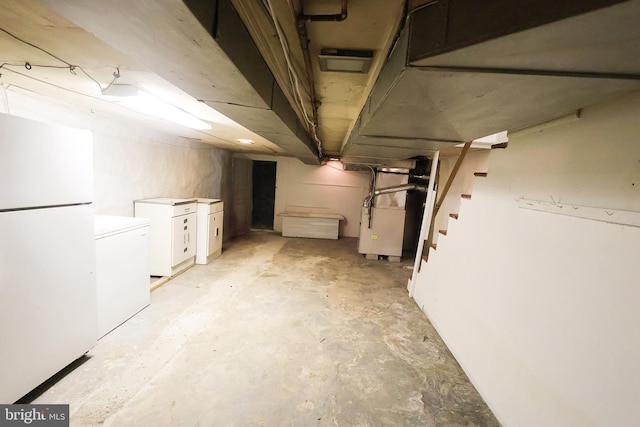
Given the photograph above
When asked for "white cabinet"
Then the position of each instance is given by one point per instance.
(184, 227)
(172, 233)
(210, 217)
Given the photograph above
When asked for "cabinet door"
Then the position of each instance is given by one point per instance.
(215, 232)
(211, 235)
(184, 238)
(47, 294)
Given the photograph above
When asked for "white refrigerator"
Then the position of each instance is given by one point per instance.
(47, 252)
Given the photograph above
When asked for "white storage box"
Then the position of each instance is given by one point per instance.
(325, 225)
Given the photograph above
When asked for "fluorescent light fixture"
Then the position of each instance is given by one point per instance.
(245, 141)
(345, 60)
(132, 97)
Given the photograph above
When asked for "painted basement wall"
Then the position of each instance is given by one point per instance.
(540, 309)
(132, 161)
(325, 188)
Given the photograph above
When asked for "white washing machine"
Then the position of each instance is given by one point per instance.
(209, 231)
(122, 269)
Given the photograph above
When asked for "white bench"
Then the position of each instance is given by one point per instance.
(315, 225)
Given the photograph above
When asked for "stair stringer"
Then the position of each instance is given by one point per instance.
(477, 161)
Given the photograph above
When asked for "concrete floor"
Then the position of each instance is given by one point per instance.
(276, 332)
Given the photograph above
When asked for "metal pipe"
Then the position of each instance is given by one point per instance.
(404, 187)
(367, 200)
(372, 188)
(328, 18)
(304, 45)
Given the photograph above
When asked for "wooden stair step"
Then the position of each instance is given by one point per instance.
(434, 245)
(443, 232)
(466, 196)
(480, 174)
(454, 216)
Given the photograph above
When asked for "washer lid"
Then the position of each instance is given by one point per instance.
(167, 201)
(108, 225)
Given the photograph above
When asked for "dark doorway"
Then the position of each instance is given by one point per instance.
(264, 194)
(237, 216)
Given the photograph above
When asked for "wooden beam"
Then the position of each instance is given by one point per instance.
(452, 176)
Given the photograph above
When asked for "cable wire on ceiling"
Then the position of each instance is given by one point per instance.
(48, 83)
(6, 98)
(293, 78)
(71, 67)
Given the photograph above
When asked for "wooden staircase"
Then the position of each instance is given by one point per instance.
(474, 167)
(457, 175)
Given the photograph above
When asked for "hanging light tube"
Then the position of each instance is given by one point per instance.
(138, 100)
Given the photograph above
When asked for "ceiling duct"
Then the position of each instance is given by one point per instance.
(463, 69)
(278, 122)
(338, 17)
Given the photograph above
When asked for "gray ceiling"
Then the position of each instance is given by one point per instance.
(437, 89)
(459, 70)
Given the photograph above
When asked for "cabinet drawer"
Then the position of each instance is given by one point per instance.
(184, 209)
(184, 238)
